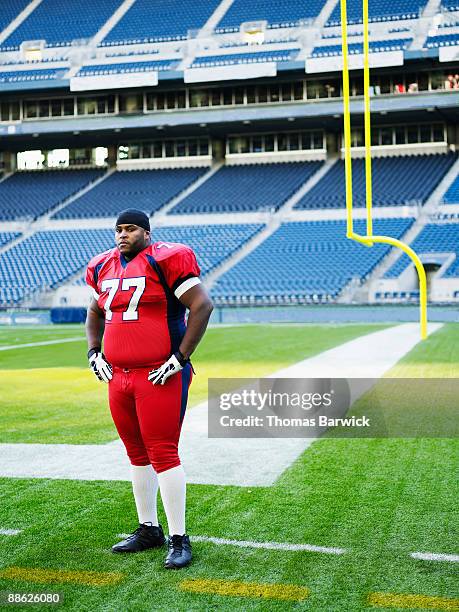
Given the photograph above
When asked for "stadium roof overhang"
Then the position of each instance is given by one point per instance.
(421, 107)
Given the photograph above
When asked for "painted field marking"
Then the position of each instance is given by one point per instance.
(31, 574)
(435, 557)
(271, 545)
(10, 532)
(12, 347)
(284, 592)
(416, 602)
(265, 545)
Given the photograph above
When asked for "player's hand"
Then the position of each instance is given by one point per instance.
(100, 366)
(168, 369)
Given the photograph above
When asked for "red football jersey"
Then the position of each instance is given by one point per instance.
(144, 318)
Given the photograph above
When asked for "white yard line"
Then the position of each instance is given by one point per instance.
(287, 546)
(220, 461)
(12, 347)
(435, 557)
(271, 545)
(10, 532)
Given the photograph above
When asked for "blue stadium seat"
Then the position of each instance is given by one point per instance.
(380, 10)
(278, 14)
(452, 195)
(31, 194)
(376, 46)
(148, 190)
(450, 5)
(442, 40)
(57, 255)
(397, 181)
(434, 238)
(47, 258)
(6, 237)
(20, 76)
(126, 67)
(247, 188)
(61, 21)
(309, 260)
(10, 9)
(172, 21)
(281, 55)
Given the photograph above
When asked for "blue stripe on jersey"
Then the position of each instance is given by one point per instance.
(186, 375)
(123, 261)
(96, 271)
(175, 309)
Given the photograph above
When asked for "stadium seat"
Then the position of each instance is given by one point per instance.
(10, 10)
(27, 195)
(397, 181)
(442, 40)
(148, 190)
(450, 5)
(380, 10)
(58, 255)
(126, 67)
(173, 20)
(434, 238)
(61, 21)
(281, 55)
(21, 76)
(376, 46)
(278, 14)
(6, 237)
(310, 260)
(452, 195)
(247, 188)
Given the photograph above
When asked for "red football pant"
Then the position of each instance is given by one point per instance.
(149, 417)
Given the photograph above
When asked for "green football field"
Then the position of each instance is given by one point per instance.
(373, 501)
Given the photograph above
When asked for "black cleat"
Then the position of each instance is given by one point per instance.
(179, 554)
(143, 538)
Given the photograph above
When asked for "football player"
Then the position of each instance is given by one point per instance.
(140, 295)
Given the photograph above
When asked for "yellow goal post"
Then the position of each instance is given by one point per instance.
(369, 239)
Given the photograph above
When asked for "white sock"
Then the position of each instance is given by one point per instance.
(145, 489)
(172, 485)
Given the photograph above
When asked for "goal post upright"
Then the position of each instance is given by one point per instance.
(369, 238)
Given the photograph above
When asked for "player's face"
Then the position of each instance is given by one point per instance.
(131, 239)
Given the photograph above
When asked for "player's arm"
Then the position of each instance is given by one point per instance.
(200, 305)
(197, 300)
(95, 325)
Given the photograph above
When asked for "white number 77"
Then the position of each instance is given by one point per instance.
(131, 314)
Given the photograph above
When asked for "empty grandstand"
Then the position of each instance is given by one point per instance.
(61, 21)
(31, 194)
(148, 190)
(173, 20)
(304, 262)
(396, 182)
(435, 239)
(223, 121)
(262, 187)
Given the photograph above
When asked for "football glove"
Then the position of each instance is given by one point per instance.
(174, 364)
(100, 366)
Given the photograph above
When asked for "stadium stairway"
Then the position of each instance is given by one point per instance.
(186, 192)
(111, 22)
(214, 19)
(325, 13)
(425, 24)
(44, 218)
(273, 224)
(426, 212)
